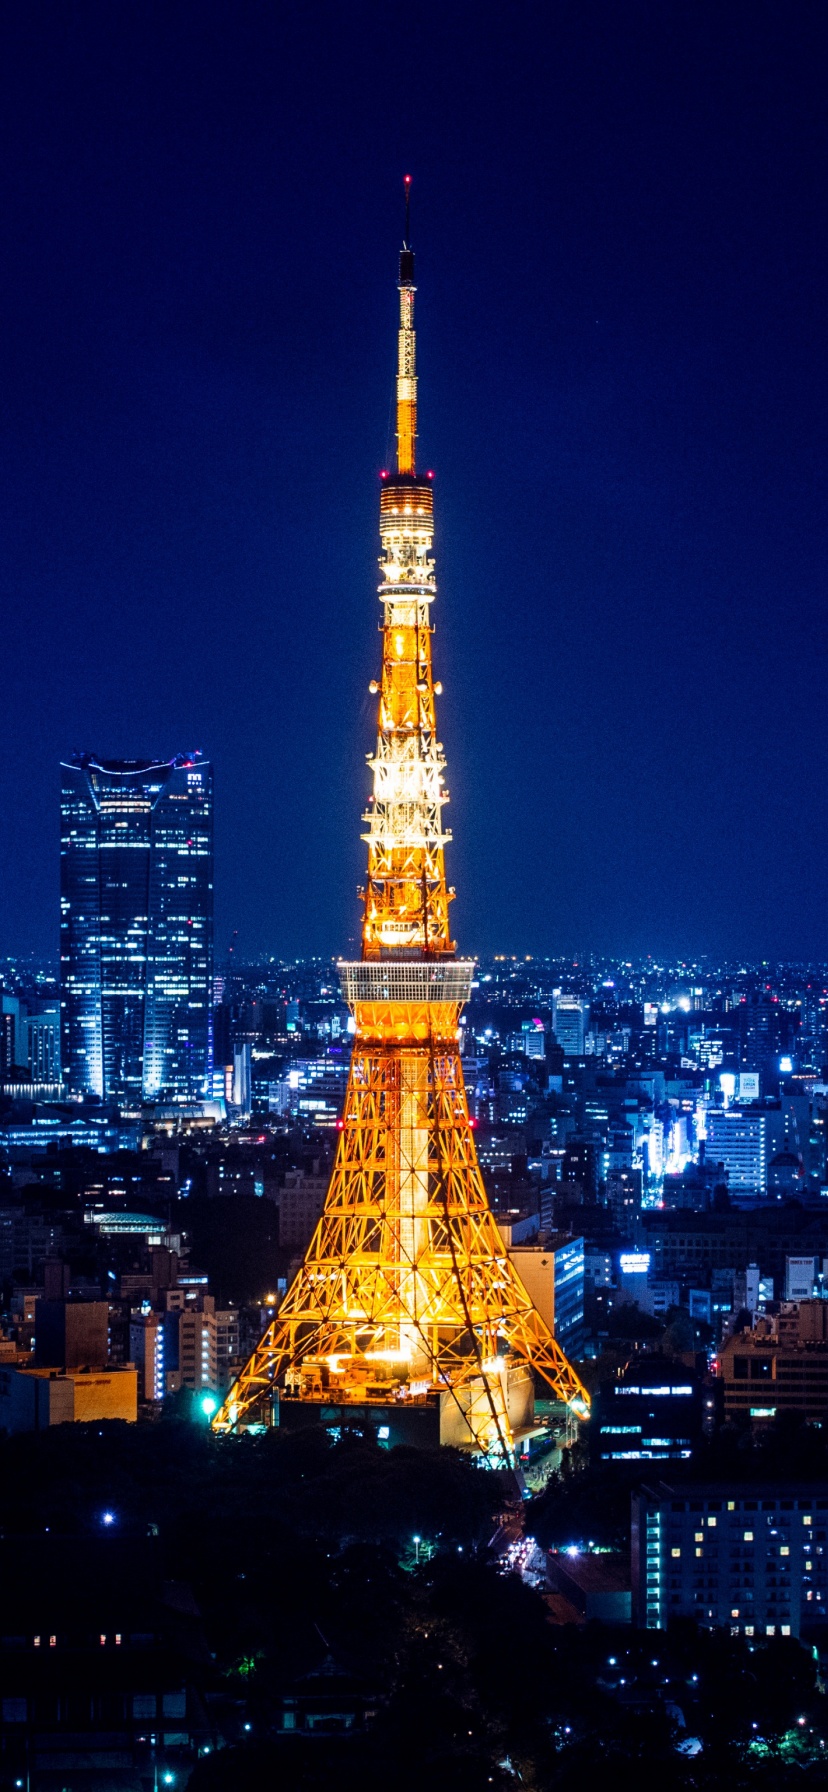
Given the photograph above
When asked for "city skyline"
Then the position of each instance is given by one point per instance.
(413, 1348)
(625, 431)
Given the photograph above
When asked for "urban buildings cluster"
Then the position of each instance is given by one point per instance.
(653, 1137)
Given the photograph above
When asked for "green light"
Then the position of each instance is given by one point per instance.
(209, 1405)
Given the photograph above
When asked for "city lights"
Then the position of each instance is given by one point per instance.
(332, 1197)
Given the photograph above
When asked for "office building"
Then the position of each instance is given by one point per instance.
(650, 1412)
(13, 1045)
(71, 1334)
(29, 1041)
(779, 1366)
(553, 1277)
(136, 928)
(624, 1197)
(186, 1346)
(743, 1141)
(208, 1347)
(751, 1559)
(43, 1044)
(569, 1024)
(803, 1277)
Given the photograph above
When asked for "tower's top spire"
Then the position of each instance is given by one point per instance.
(406, 353)
(406, 898)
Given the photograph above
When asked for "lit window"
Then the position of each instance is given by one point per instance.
(784, 1549)
(807, 1521)
(770, 1629)
(102, 1641)
(749, 1629)
(699, 1536)
(675, 1552)
(731, 1506)
(748, 1536)
(53, 1642)
(699, 1552)
(711, 1521)
(37, 1642)
(735, 1612)
(785, 1629)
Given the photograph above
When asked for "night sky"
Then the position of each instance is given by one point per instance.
(619, 215)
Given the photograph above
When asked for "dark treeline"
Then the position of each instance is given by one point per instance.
(300, 1551)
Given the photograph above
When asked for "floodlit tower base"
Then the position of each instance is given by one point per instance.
(424, 1421)
(407, 1299)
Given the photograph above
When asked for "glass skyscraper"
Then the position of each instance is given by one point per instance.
(136, 927)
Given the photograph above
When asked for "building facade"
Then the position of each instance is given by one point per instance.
(752, 1559)
(553, 1276)
(651, 1411)
(781, 1365)
(136, 928)
(744, 1140)
(569, 1023)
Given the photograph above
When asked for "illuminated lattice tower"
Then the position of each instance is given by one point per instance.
(407, 1298)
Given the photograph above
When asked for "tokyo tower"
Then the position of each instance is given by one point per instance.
(407, 1306)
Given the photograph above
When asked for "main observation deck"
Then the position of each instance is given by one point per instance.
(412, 980)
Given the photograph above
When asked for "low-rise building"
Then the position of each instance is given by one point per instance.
(103, 1663)
(594, 1586)
(32, 1399)
(781, 1365)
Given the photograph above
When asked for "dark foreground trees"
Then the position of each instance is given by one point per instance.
(301, 1552)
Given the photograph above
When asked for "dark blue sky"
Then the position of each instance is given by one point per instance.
(620, 222)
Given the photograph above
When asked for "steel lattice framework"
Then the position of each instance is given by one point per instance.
(406, 1293)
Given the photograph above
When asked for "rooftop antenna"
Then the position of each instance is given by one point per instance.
(407, 187)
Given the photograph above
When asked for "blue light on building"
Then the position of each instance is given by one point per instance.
(137, 927)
